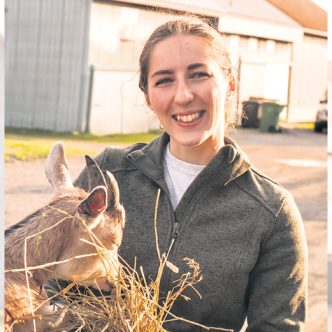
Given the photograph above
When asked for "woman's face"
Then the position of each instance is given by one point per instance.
(187, 91)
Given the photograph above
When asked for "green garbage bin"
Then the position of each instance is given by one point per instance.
(270, 116)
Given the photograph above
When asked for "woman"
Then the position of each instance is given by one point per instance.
(241, 227)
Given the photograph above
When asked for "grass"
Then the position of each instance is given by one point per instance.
(27, 144)
(20, 149)
(52, 135)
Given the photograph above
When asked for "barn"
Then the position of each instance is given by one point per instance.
(73, 65)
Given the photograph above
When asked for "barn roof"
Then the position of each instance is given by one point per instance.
(305, 12)
(294, 13)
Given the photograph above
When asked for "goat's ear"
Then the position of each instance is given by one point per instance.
(56, 170)
(112, 190)
(95, 203)
(95, 175)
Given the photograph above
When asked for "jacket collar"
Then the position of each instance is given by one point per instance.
(230, 162)
(149, 159)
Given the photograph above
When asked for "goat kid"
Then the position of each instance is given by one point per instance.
(75, 223)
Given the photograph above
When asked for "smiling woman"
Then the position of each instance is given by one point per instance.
(189, 97)
(189, 82)
(243, 229)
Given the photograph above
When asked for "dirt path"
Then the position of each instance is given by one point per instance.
(296, 159)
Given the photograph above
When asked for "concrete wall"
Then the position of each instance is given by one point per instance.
(46, 63)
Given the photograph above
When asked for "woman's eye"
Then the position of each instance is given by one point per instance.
(199, 74)
(164, 81)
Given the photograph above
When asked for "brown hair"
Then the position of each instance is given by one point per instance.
(196, 27)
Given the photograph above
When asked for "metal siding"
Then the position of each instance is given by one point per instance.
(46, 61)
(63, 103)
(10, 62)
(13, 33)
(82, 66)
(48, 67)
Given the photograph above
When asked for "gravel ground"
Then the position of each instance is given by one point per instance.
(297, 159)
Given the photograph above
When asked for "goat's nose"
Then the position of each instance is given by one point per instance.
(105, 284)
(8, 320)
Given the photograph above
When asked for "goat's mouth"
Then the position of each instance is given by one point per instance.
(188, 118)
(102, 283)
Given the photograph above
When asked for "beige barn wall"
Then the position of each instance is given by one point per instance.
(309, 78)
(117, 37)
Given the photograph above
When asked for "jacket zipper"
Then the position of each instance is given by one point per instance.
(174, 236)
(176, 225)
(175, 232)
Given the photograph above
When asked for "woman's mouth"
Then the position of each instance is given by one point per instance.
(188, 118)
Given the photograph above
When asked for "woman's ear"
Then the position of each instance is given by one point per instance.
(148, 102)
(231, 89)
(231, 86)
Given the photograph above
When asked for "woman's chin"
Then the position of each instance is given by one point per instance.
(188, 140)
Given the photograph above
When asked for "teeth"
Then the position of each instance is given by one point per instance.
(187, 118)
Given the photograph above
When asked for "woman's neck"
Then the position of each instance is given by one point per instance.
(199, 154)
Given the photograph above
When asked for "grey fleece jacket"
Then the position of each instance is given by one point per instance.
(242, 228)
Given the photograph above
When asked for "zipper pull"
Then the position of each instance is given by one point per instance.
(175, 232)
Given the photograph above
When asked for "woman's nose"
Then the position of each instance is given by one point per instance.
(183, 93)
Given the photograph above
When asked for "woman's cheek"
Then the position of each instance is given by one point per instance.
(161, 103)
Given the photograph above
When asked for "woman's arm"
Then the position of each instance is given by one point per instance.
(277, 292)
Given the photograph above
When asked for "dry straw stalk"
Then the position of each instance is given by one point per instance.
(134, 305)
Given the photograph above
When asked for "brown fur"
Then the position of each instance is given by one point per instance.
(57, 244)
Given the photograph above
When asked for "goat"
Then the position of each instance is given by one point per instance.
(75, 223)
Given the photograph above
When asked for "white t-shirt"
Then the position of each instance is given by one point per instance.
(178, 175)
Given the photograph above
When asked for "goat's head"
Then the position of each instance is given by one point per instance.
(96, 225)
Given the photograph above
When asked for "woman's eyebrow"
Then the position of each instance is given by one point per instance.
(170, 72)
(195, 65)
(163, 72)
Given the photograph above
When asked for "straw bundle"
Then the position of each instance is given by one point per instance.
(133, 305)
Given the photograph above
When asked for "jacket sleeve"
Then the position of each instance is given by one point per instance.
(277, 292)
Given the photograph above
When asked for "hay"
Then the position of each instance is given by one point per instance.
(133, 305)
